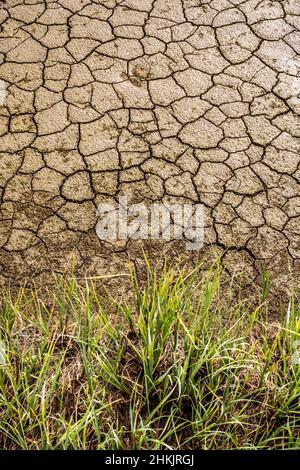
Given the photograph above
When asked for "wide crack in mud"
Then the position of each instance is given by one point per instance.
(178, 101)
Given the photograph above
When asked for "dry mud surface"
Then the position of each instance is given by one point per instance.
(159, 100)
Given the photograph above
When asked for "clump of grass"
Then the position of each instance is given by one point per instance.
(182, 365)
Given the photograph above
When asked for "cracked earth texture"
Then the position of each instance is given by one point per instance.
(159, 100)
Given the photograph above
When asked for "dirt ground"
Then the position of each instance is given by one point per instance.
(177, 101)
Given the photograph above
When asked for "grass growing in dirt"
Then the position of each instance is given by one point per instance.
(181, 366)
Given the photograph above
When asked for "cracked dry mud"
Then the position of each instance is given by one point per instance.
(160, 100)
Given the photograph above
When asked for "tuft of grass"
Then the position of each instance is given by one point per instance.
(182, 365)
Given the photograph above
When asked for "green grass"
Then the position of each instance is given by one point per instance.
(184, 364)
